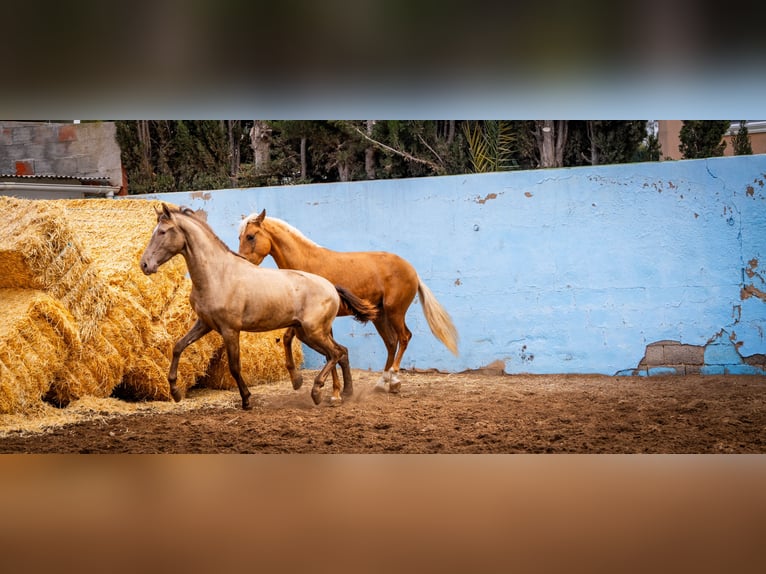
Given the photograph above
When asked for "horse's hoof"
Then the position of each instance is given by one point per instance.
(347, 392)
(177, 395)
(316, 394)
(394, 386)
(336, 401)
(380, 386)
(246, 406)
(297, 382)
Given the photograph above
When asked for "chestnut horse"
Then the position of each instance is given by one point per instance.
(230, 294)
(384, 279)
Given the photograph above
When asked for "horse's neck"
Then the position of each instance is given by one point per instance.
(205, 257)
(292, 251)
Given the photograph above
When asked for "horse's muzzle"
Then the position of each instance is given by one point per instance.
(147, 268)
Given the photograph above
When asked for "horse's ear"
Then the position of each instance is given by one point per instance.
(166, 210)
(261, 217)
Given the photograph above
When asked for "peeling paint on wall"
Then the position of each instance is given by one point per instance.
(486, 198)
(750, 290)
(719, 356)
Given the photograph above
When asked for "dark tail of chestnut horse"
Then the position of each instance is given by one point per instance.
(361, 309)
(438, 319)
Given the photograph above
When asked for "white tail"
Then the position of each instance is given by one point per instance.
(438, 319)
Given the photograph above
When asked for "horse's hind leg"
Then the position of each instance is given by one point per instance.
(348, 385)
(339, 355)
(345, 367)
(295, 376)
(403, 335)
(231, 340)
(334, 353)
(198, 330)
(387, 333)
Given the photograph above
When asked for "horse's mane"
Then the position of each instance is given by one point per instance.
(191, 214)
(286, 227)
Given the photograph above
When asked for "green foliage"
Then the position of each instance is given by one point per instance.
(740, 143)
(491, 144)
(703, 138)
(649, 149)
(619, 141)
(500, 145)
(597, 142)
(181, 155)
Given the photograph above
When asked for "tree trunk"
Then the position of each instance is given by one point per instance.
(344, 171)
(146, 147)
(451, 132)
(545, 136)
(260, 140)
(304, 162)
(369, 154)
(551, 140)
(593, 148)
(562, 126)
(234, 129)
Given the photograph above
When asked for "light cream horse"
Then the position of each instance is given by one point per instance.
(383, 279)
(230, 294)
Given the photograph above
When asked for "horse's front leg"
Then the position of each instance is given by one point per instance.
(295, 376)
(199, 329)
(339, 354)
(231, 340)
(332, 356)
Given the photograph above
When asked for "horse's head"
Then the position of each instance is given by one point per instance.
(254, 240)
(167, 240)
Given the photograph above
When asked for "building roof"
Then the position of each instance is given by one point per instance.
(84, 180)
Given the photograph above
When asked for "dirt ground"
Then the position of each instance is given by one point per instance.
(434, 413)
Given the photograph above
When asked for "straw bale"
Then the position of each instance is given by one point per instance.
(138, 303)
(99, 367)
(38, 250)
(114, 236)
(151, 348)
(127, 329)
(146, 378)
(37, 336)
(16, 272)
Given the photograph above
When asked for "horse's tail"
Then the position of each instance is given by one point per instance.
(361, 309)
(438, 319)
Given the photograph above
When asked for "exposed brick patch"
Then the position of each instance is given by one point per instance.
(719, 355)
(25, 167)
(67, 133)
(757, 360)
(673, 353)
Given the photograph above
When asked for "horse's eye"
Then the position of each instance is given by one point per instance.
(250, 237)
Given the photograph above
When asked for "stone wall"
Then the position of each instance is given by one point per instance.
(87, 150)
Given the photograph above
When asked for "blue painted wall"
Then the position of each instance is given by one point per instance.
(551, 271)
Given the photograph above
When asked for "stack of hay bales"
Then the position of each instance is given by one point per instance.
(80, 318)
(37, 338)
